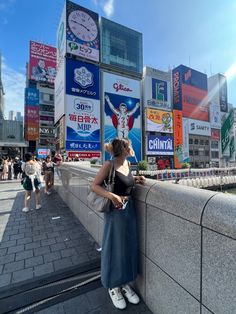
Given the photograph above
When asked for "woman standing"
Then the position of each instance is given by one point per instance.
(120, 245)
(48, 171)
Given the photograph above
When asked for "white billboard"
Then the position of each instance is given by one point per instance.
(59, 93)
(198, 127)
(185, 140)
(157, 93)
(215, 116)
(61, 38)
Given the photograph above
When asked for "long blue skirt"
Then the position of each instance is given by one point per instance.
(119, 260)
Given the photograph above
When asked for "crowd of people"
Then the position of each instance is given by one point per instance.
(10, 168)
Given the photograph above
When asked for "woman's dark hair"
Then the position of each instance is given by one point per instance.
(28, 157)
(48, 157)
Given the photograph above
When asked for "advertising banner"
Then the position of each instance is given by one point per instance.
(178, 138)
(232, 146)
(32, 114)
(215, 134)
(225, 130)
(59, 99)
(157, 94)
(62, 132)
(82, 79)
(42, 63)
(177, 93)
(223, 94)
(185, 140)
(82, 123)
(31, 96)
(198, 127)
(32, 132)
(84, 155)
(195, 103)
(193, 78)
(43, 152)
(122, 111)
(215, 118)
(61, 38)
(46, 130)
(82, 32)
(159, 121)
(160, 145)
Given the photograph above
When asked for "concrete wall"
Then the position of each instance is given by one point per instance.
(186, 239)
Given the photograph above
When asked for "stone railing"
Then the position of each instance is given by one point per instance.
(186, 239)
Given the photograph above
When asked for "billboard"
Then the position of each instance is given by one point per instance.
(84, 155)
(223, 93)
(32, 114)
(82, 32)
(177, 93)
(43, 152)
(215, 118)
(160, 145)
(61, 38)
(185, 140)
(195, 103)
(59, 92)
(157, 93)
(159, 121)
(198, 127)
(215, 134)
(178, 138)
(82, 124)
(31, 96)
(82, 79)
(122, 110)
(42, 63)
(32, 132)
(225, 130)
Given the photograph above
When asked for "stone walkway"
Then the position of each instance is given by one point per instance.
(38, 245)
(41, 241)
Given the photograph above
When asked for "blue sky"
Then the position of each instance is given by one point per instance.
(199, 33)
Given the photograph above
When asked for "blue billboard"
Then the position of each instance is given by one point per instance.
(159, 90)
(82, 79)
(160, 145)
(31, 96)
(82, 146)
(192, 77)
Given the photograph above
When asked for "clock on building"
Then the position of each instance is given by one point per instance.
(82, 25)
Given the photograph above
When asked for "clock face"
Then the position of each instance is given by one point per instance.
(82, 25)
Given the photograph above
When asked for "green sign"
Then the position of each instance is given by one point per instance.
(231, 146)
(225, 130)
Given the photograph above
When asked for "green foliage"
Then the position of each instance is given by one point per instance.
(142, 165)
(185, 165)
(93, 161)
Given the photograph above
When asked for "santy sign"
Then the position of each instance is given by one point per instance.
(198, 127)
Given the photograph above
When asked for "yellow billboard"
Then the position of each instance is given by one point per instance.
(159, 121)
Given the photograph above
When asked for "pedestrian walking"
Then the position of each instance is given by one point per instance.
(1, 169)
(31, 181)
(5, 169)
(17, 167)
(10, 168)
(48, 171)
(119, 246)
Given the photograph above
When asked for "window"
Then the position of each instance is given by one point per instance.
(201, 142)
(214, 144)
(51, 97)
(207, 153)
(190, 141)
(207, 142)
(190, 152)
(196, 141)
(196, 153)
(214, 154)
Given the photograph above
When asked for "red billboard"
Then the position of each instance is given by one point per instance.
(84, 155)
(195, 103)
(215, 134)
(31, 132)
(42, 63)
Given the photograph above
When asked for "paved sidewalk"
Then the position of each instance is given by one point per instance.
(41, 241)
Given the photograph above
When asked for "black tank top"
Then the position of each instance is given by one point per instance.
(123, 184)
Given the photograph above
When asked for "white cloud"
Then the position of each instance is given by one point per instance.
(108, 8)
(13, 84)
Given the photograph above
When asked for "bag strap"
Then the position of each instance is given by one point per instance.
(111, 178)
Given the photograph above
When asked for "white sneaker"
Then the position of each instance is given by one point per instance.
(117, 298)
(49, 193)
(129, 293)
(25, 209)
(38, 206)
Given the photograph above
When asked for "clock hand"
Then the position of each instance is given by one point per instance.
(81, 25)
